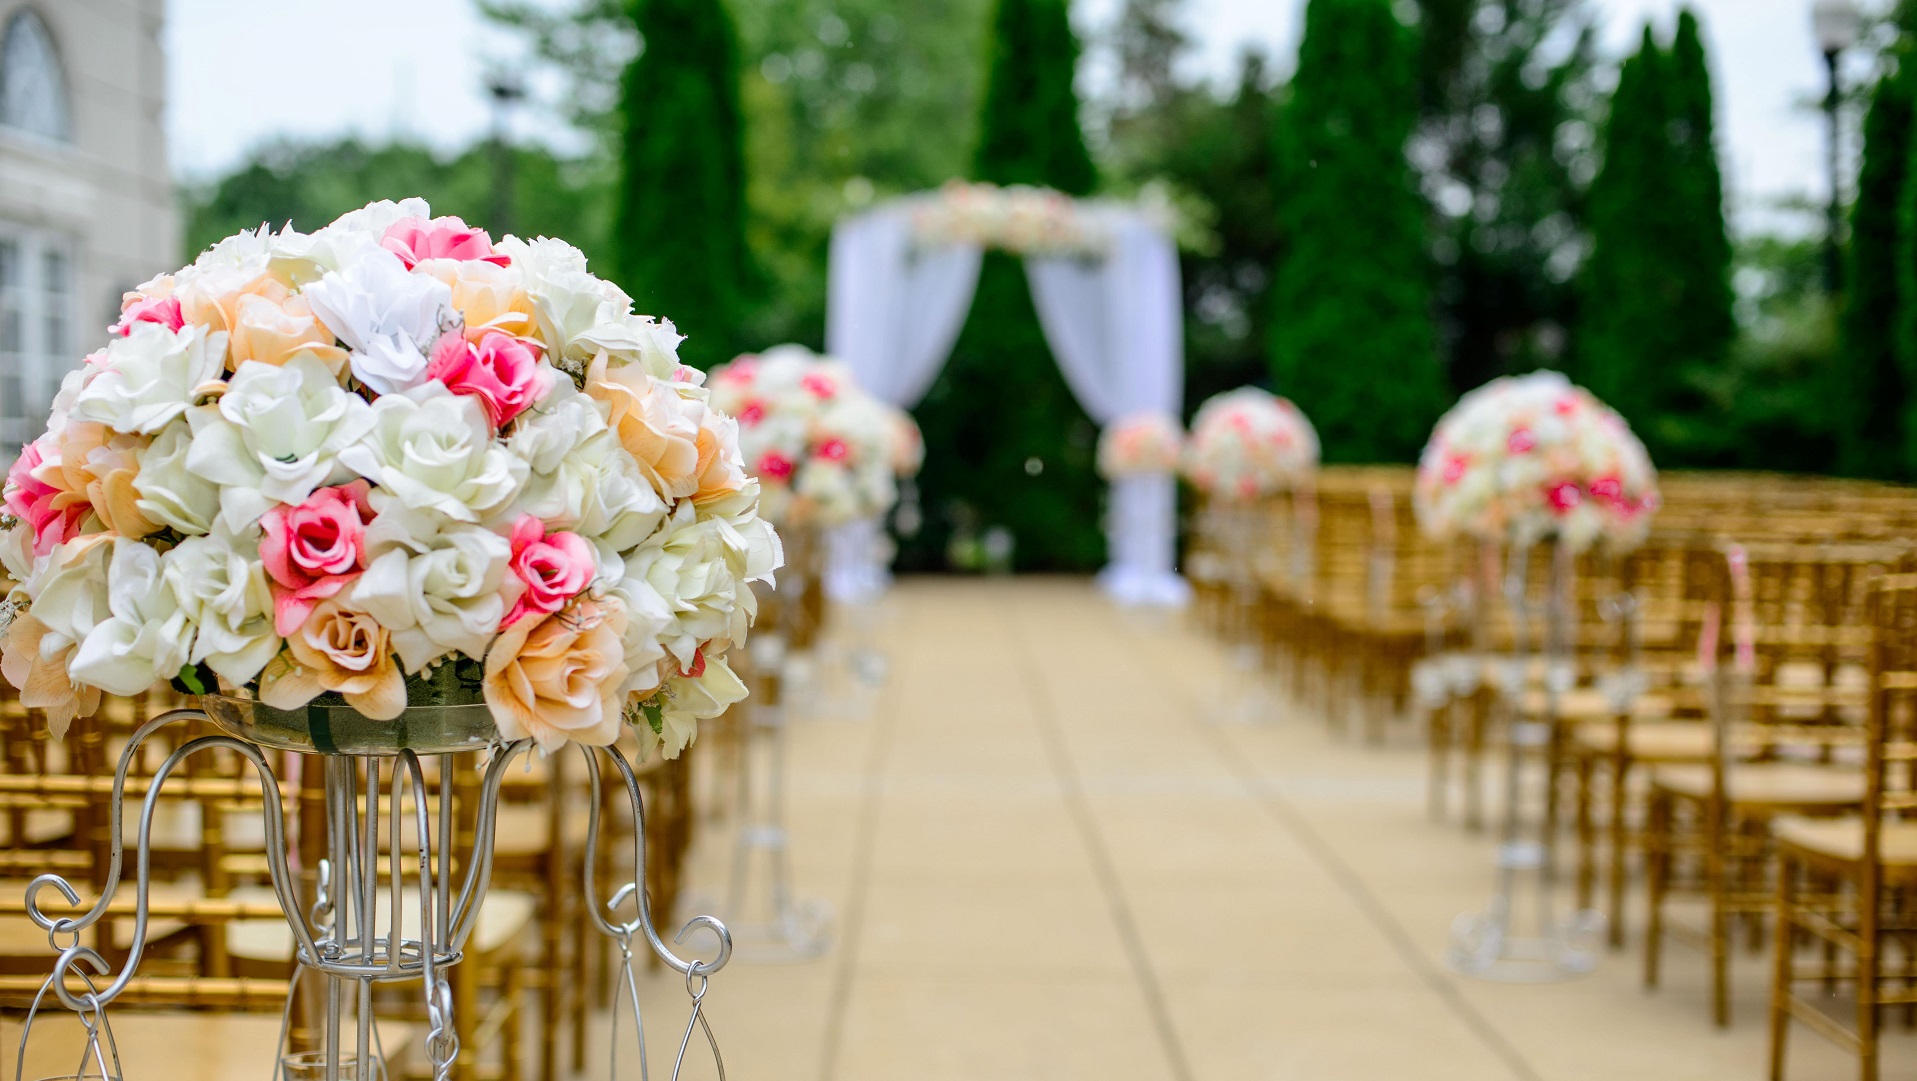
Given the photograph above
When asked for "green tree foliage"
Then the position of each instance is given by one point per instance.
(679, 209)
(1352, 339)
(1505, 149)
(1657, 325)
(1015, 449)
(1873, 386)
(310, 184)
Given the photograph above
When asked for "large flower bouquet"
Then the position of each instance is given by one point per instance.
(822, 449)
(1139, 444)
(1248, 442)
(1019, 219)
(1528, 457)
(333, 466)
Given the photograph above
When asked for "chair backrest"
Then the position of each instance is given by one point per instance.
(1891, 729)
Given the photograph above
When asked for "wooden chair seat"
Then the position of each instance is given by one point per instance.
(1654, 741)
(1767, 785)
(1593, 704)
(1840, 841)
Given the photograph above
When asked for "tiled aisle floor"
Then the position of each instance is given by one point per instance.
(1047, 862)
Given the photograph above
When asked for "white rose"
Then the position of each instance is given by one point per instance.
(144, 639)
(580, 315)
(385, 314)
(434, 450)
(753, 549)
(150, 377)
(689, 700)
(559, 422)
(690, 564)
(438, 587)
(581, 479)
(69, 591)
(170, 491)
(648, 616)
(275, 436)
(220, 584)
(223, 268)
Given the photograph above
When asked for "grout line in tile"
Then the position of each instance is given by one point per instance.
(1045, 713)
(1326, 855)
(851, 929)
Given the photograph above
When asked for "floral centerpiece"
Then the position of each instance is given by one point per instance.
(385, 463)
(1246, 443)
(1019, 219)
(823, 450)
(1138, 444)
(1532, 456)
(908, 444)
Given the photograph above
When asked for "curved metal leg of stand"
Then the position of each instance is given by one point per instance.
(1498, 943)
(769, 922)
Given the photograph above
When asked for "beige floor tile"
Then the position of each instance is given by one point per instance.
(1034, 929)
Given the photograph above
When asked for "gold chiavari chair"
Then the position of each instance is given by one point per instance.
(1850, 883)
(1786, 717)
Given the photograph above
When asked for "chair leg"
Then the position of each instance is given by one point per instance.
(1869, 967)
(1657, 870)
(1438, 737)
(1620, 845)
(1783, 968)
(1587, 834)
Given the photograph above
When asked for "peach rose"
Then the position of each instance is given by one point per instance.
(41, 680)
(488, 297)
(273, 328)
(721, 471)
(655, 425)
(557, 677)
(337, 649)
(102, 464)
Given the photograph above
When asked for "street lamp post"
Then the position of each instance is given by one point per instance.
(1836, 23)
(507, 91)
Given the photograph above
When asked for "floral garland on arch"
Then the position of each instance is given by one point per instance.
(1247, 443)
(1533, 456)
(335, 464)
(824, 451)
(1019, 219)
(1139, 444)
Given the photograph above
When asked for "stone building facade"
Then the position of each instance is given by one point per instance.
(87, 203)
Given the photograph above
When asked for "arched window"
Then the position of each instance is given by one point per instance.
(33, 89)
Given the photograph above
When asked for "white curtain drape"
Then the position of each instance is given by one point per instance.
(1116, 326)
(1114, 323)
(892, 311)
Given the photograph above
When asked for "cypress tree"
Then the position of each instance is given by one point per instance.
(1656, 293)
(1628, 343)
(1352, 340)
(679, 212)
(1872, 384)
(1013, 448)
(1701, 250)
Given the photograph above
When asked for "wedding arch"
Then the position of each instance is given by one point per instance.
(1104, 280)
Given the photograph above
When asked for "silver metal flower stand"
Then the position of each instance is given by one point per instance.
(769, 922)
(390, 903)
(1519, 937)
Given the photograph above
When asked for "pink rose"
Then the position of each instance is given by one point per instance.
(834, 450)
(314, 550)
(819, 385)
(54, 513)
(500, 370)
(138, 309)
(1607, 489)
(416, 241)
(741, 371)
(1562, 496)
(556, 567)
(751, 414)
(773, 466)
(1521, 440)
(1454, 468)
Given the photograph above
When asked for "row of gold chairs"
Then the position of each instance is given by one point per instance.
(1730, 705)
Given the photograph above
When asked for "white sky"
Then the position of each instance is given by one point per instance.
(243, 71)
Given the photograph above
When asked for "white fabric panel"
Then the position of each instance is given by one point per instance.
(892, 311)
(1141, 522)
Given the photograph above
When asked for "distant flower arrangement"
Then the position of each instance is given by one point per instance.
(1527, 457)
(1246, 443)
(1139, 444)
(328, 466)
(1018, 219)
(825, 452)
(908, 445)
